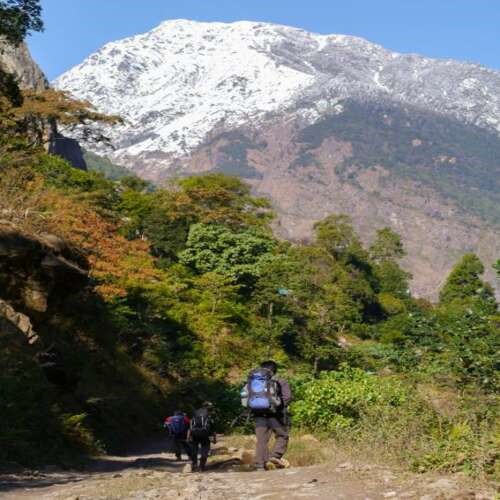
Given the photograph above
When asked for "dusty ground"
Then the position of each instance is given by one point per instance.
(150, 473)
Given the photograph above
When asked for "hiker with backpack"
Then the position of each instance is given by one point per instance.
(178, 427)
(200, 431)
(267, 398)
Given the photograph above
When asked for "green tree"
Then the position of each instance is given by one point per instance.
(392, 279)
(385, 252)
(238, 254)
(387, 246)
(468, 323)
(18, 18)
(164, 217)
(136, 206)
(219, 199)
(337, 236)
(214, 317)
(328, 316)
(464, 282)
(472, 341)
(332, 297)
(275, 305)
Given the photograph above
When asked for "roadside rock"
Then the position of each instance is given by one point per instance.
(35, 270)
(14, 321)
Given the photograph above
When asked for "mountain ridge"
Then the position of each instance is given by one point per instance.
(200, 62)
(319, 123)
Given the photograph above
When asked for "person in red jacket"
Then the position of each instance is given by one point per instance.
(178, 427)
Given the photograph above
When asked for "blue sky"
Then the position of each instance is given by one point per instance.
(461, 29)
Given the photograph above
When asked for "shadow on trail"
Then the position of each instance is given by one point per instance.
(10, 482)
(155, 445)
(152, 456)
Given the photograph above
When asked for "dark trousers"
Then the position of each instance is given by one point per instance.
(201, 447)
(264, 427)
(179, 445)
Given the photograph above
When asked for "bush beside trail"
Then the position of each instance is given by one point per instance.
(395, 419)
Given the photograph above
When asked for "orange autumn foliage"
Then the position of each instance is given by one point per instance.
(116, 263)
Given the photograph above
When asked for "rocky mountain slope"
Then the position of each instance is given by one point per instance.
(320, 123)
(18, 61)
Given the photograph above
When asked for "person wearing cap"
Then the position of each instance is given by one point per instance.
(201, 431)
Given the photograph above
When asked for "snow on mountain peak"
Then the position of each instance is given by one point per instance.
(185, 79)
(180, 80)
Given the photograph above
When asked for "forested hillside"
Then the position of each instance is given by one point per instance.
(118, 302)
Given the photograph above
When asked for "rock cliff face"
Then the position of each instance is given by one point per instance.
(320, 123)
(39, 274)
(59, 357)
(36, 273)
(18, 61)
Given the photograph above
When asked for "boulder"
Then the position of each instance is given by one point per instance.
(37, 269)
(12, 321)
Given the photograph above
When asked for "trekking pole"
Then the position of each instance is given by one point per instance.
(235, 421)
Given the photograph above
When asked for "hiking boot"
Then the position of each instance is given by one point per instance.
(279, 463)
(270, 466)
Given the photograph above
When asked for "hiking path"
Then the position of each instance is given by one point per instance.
(150, 472)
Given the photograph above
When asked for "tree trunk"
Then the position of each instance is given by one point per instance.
(269, 325)
(316, 366)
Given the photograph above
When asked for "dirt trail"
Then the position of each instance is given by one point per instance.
(150, 473)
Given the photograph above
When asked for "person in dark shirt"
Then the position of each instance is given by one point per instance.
(277, 423)
(201, 430)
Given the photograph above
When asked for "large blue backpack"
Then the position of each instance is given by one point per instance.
(263, 394)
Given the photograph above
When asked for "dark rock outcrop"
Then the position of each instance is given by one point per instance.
(13, 322)
(38, 275)
(69, 149)
(37, 271)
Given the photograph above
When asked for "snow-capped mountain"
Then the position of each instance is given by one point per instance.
(318, 123)
(177, 83)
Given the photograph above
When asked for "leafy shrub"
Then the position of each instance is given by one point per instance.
(391, 305)
(336, 400)
(78, 434)
(469, 442)
(28, 427)
(387, 418)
